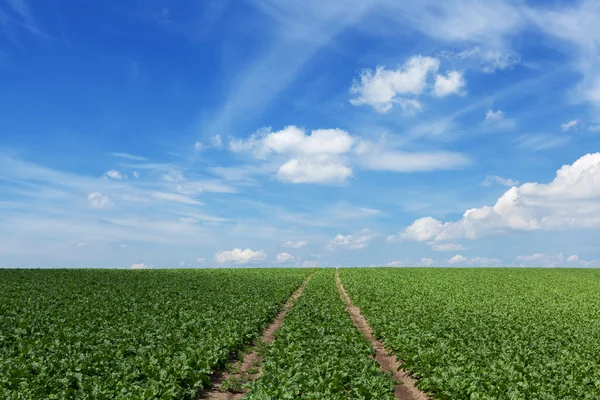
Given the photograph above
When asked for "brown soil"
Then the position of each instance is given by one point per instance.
(405, 388)
(249, 368)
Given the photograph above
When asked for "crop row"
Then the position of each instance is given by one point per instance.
(108, 334)
(319, 354)
(488, 333)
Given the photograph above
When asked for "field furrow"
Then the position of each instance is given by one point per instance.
(114, 334)
(404, 388)
(487, 333)
(319, 354)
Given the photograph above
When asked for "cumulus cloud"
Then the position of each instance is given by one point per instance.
(326, 156)
(446, 247)
(570, 201)
(198, 146)
(489, 179)
(457, 259)
(452, 83)
(136, 174)
(317, 157)
(569, 125)
(139, 266)
(396, 263)
(594, 128)
(295, 244)
(97, 200)
(426, 261)
(353, 242)
(285, 258)
(382, 88)
(494, 115)
(200, 260)
(239, 256)
(114, 174)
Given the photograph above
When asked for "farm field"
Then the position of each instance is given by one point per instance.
(319, 354)
(164, 334)
(108, 334)
(488, 333)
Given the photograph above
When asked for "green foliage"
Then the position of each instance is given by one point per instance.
(488, 333)
(114, 334)
(319, 354)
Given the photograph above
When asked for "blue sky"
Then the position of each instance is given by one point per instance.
(282, 133)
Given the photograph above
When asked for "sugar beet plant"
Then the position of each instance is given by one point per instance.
(107, 334)
(488, 333)
(319, 354)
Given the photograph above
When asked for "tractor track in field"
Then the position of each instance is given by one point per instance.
(250, 367)
(406, 390)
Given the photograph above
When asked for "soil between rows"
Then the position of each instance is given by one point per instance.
(405, 389)
(249, 368)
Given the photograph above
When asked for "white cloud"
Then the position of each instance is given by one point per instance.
(422, 230)
(489, 179)
(173, 176)
(326, 156)
(540, 142)
(576, 28)
(285, 258)
(461, 260)
(490, 59)
(381, 89)
(570, 201)
(97, 200)
(295, 244)
(128, 156)
(569, 125)
(594, 128)
(493, 60)
(176, 197)
(452, 83)
(310, 264)
(239, 256)
(457, 259)
(198, 146)
(446, 247)
(353, 242)
(114, 174)
(200, 260)
(396, 263)
(315, 158)
(307, 171)
(494, 115)
(136, 174)
(557, 260)
(380, 157)
(217, 141)
(139, 266)
(82, 244)
(426, 261)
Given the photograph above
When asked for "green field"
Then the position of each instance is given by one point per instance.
(319, 354)
(106, 334)
(465, 333)
(488, 333)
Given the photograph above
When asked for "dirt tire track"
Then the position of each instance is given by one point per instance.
(253, 358)
(387, 362)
